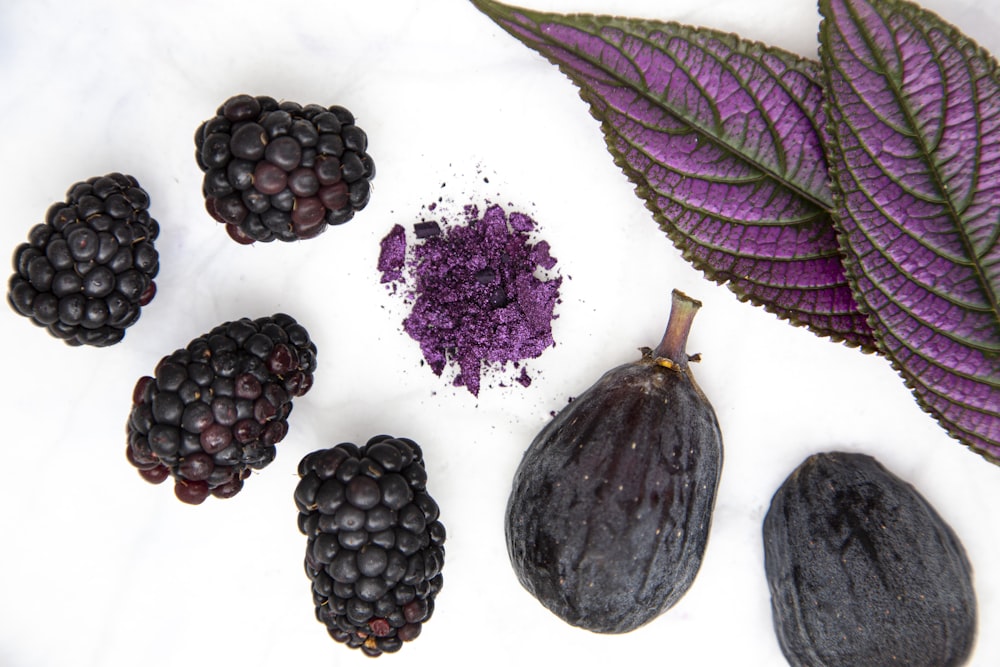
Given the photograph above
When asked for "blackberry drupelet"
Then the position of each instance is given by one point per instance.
(375, 544)
(282, 170)
(86, 272)
(214, 410)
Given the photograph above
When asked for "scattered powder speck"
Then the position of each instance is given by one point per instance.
(479, 294)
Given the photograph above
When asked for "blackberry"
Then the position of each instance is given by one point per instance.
(282, 170)
(85, 273)
(213, 411)
(375, 544)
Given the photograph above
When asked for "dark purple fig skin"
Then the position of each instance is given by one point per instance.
(611, 505)
(863, 571)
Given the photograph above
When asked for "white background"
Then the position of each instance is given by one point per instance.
(99, 568)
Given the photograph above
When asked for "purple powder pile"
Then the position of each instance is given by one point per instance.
(474, 290)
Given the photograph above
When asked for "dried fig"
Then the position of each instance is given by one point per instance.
(611, 505)
(863, 571)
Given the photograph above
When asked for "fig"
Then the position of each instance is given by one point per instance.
(863, 571)
(611, 505)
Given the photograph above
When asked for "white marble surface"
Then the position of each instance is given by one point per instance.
(102, 569)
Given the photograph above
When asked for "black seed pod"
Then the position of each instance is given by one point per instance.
(282, 171)
(86, 272)
(863, 571)
(214, 410)
(375, 545)
(611, 505)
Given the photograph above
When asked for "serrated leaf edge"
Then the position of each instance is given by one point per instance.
(851, 264)
(681, 242)
(741, 45)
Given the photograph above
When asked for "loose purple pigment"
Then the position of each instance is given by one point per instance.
(475, 291)
(393, 256)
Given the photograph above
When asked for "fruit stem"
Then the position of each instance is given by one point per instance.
(673, 345)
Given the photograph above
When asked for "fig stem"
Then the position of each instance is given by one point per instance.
(673, 345)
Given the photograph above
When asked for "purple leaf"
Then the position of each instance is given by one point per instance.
(720, 137)
(914, 123)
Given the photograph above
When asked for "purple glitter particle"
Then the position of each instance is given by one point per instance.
(540, 255)
(521, 223)
(393, 256)
(476, 302)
